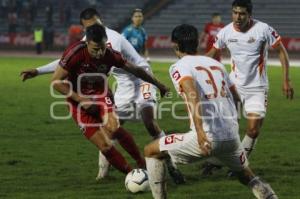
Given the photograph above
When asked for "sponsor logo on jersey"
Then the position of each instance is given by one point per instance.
(251, 40)
(232, 40)
(176, 75)
(102, 68)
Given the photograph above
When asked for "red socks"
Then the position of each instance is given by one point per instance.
(127, 142)
(116, 159)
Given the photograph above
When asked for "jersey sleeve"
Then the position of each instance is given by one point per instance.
(178, 75)
(272, 37)
(69, 59)
(130, 53)
(220, 40)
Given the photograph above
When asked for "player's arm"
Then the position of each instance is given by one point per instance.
(284, 59)
(45, 69)
(236, 96)
(191, 94)
(59, 84)
(212, 52)
(142, 74)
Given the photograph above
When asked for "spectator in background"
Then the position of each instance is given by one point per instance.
(136, 34)
(38, 39)
(210, 32)
(3, 8)
(49, 37)
(75, 33)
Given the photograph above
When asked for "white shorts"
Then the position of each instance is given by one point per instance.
(254, 100)
(184, 149)
(131, 97)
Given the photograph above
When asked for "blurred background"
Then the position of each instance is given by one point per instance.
(22, 21)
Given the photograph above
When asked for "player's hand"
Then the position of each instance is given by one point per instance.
(205, 146)
(288, 90)
(28, 74)
(163, 90)
(89, 107)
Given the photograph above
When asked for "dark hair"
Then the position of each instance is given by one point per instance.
(136, 10)
(186, 37)
(95, 33)
(243, 3)
(88, 13)
(215, 14)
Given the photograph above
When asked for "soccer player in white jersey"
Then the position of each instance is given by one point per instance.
(207, 91)
(248, 41)
(135, 99)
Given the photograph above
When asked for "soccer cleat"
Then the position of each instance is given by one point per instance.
(208, 168)
(263, 191)
(103, 167)
(176, 175)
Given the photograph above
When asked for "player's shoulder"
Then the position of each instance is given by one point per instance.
(75, 48)
(112, 33)
(260, 25)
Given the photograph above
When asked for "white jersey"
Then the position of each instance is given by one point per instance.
(219, 114)
(249, 52)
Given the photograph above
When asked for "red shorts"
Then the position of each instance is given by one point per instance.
(87, 123)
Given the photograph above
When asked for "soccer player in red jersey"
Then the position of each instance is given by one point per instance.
(85, 65)
(210, 32)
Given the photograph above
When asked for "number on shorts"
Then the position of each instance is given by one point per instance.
(108, 100)
(145, 89)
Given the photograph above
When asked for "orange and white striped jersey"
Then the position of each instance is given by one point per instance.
(219, 114)
(249, 52)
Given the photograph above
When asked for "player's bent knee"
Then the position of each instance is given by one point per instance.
(152, 149)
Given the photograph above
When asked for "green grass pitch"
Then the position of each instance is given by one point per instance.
(45, 158)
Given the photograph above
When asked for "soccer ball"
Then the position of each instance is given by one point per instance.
(137, 181)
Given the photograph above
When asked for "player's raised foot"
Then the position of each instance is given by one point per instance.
(264, 191)
(103, 167)
(209, 168)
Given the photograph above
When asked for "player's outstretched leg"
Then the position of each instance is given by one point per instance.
(260, 189)
(113, 156)
(156, 170)
(151, 125)
(127, 142)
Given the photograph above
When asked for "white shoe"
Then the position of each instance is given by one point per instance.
(264, 191)
(103, 167)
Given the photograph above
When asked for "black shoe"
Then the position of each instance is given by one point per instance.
(208, 168)
(175, 174)
(231, 174)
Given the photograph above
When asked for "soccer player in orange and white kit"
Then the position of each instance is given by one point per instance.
(209, 95)
(248, 41)
(85, 65)
(210, 32)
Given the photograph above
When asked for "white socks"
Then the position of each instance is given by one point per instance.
(261, 190)
(157, 177)
(249, 144)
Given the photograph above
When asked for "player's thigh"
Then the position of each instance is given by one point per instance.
(255, 103)
(111, 122)
(232, 154)
(182, 148)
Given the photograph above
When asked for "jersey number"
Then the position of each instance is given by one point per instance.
(211, 81)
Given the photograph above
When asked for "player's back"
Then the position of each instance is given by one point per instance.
(218, 110)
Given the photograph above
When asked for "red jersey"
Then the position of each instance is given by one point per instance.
(80, 65)
(211, 30)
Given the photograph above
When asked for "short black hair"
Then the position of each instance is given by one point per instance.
(88, 13)
(136, 10)
(215, 14)
(186, 37)
(95, 33)
(243, 3)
